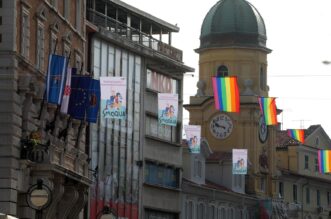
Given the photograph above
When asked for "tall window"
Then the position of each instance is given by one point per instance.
(307, 195)
(328, 198)
(318, 197)
(263, 79)
(295, 193)
(222, 71)
(306, 162)
(281, 189)
(53, 43)
(189, 214)
(25, 34)
(40, 49)
(201, 211)
(78, 15)
(211, 212)
(66, 9)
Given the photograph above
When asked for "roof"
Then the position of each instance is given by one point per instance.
(147, 17)
(283, 140)
(233, 22)
(311, 129)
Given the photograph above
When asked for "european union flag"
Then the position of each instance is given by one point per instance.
(79, 98)
(94, 101)
(56, 77)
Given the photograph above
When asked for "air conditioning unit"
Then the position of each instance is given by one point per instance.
(320, 209)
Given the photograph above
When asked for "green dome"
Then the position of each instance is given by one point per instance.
(233, 23)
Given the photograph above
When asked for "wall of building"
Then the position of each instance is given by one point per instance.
(245, 63)
(115, 144)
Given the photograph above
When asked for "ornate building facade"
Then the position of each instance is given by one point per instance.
(38, 143)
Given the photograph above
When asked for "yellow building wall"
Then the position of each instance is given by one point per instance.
(245, 63)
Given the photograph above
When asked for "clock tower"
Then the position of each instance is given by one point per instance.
(233, 43)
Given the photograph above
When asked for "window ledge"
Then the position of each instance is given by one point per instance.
(162, 140)
(162, 187)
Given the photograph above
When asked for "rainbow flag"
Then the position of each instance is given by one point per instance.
(297, 134)
(226, 93)
(324, 161)
(268, 109)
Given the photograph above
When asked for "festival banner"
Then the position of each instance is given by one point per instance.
(226, 94)
(239, 161)
(297, 134)
(269, 110)
(324, 161)
(193, 137)
(113, 97)
(168, 108)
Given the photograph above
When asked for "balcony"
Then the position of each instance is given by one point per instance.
(133, 34)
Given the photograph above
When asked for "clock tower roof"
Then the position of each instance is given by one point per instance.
(233, 23)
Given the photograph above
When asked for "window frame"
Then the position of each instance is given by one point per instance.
(25, 32)
(295, 193)
(307, 195)
(306, 160)
(40, 45)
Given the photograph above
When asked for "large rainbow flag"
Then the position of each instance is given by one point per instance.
(226, 93)
(324, 161)
(268, 109)
(297, 134)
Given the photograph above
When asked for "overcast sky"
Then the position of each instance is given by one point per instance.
(299, 34)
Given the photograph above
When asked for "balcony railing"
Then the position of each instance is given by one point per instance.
(133, 34)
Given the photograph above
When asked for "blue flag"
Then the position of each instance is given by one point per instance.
(56, 77)
(94, 101)
(79, 97)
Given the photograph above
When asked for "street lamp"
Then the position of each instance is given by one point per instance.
(39, 197)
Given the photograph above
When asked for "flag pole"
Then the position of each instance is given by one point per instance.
(43, 101)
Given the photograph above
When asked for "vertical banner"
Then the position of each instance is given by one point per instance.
(168, 108)
(226, 94)
(269, 110)
(113, 97)
(239, 161)
(324, 161)
(193, 137)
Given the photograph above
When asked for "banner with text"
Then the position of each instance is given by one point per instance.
(113, 97)
(193, 137)
(239, 161)
(168, 108)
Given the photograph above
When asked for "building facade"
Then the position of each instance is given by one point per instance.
(38, 143)
(137, 161)
(300, 184)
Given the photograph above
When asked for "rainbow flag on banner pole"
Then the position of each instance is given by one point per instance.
(297, 134)
(324, 161)
(226, 93)
(268, 109)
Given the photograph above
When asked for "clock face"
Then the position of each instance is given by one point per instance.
(221, 126)
(263, 130)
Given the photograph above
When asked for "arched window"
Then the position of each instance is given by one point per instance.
(201, 211)
(222, 71)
